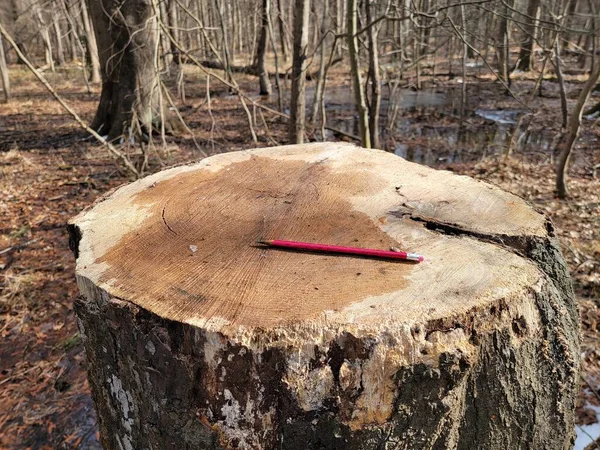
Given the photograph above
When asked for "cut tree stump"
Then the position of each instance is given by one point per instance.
(198, 339)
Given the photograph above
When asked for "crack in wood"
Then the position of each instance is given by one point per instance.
(165, 222)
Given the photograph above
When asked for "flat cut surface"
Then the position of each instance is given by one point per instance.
(180, 243)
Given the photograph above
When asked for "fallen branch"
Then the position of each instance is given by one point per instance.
(252, 70)
(18, 247)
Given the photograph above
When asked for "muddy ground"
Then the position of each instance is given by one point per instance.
(50, 170)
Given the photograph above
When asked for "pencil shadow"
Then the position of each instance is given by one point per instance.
(335, 254)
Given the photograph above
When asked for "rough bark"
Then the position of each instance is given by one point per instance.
(476, 348)
(126, 35)
(299, 64)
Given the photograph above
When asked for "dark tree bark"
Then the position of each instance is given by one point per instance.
(126, 34)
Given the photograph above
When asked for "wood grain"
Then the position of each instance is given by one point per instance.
(180, 243)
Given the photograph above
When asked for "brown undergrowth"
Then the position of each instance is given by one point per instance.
(49, 171)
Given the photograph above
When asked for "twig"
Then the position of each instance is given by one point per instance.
(185, 125)
(18, 247)
(498, 77)
(592, 440)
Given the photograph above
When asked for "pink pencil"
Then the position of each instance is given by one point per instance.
(340, 249)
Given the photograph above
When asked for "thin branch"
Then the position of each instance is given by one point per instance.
(498, 77)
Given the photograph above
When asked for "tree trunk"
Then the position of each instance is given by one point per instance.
(165, 43)
(174, 28)
(126, 34)
(319, 88)
(60, 49)
(224, 41)
(4, 72)
(357, 84)
(72, 13)
(282, 36)
(198, 339)
(374, 78)
(298, 98)
(573, 132)
(561, 84)
(261, 50)
(503, 42)
(91, 45)
(529, 28)
(45, 35)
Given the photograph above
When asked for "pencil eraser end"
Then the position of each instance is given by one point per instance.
(421, 258)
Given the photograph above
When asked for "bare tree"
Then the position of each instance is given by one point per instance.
(4, 72)
(503, 42)
(127, 37)
(45, 35)
(573, 132)
(322, 63)
(91, 45)
(357, 84)
(373, 75)
(530, 33)
(298, 99)
(58, 35)
(261, 67)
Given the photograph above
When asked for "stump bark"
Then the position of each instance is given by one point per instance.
(196, 339)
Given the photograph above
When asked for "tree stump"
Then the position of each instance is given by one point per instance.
(197, 339)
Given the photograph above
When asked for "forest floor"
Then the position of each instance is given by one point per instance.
(49, 171)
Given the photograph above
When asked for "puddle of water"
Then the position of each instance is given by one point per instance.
(426, 126)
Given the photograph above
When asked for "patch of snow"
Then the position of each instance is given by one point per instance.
(500, 116)
(230, 410)
(592, 116)
(586, 434)
(150, 347)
